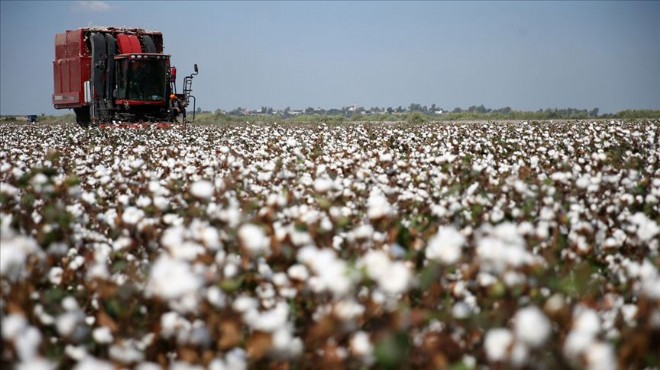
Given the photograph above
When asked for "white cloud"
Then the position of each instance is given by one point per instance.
(96, 6)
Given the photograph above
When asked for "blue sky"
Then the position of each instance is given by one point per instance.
(526, 55)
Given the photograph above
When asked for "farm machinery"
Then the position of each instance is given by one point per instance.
(118, 76)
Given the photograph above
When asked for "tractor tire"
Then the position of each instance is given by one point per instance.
(148, 45)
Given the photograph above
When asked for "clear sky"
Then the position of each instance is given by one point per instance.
(526, 55)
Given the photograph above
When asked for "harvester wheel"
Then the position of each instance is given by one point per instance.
(82, 116)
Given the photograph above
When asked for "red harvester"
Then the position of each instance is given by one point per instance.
(118, 75)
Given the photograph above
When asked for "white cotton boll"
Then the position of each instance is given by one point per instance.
(496, 215)
(253, 238)
(13, 325)
(132, 215)
(180, 365)
(67, 322)
(202, 189)
(392, 277)
(587, 321)
(323, 185)
(271, 320)
(280, 279)
(75, 352)
(531, 326)
(14, 253)
(102, 335)
(378, 205)
(520, 187)
(91, 363)
(264, 176)
(360, 344)
(460, 310)
(88, 197)
(519, 354)
(397, 280)
(171, 278)
(583, 182)
(170, 323)
(629, 312)
(36, 364)
(161, 202)
(285, 344)
(385, 157)
(172, 237)
(8, 189)
(503, 248)
(236, 359)
(143, 201)
(377, 263)
(76, 263)
(151, 366)
(497, 344)
(216, 297)
(647, 229)
(186, 251)
(445, 247)
(230, 270)
(331, 272)
(121, 244)
(210, 237)
(125, 352)
(348, 309)
(485, 279)
(244, 304)
(298, 272)
(600, 356)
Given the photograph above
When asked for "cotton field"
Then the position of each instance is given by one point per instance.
(443, 245)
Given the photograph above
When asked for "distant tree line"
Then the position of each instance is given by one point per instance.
(415, 113)
(435, 112)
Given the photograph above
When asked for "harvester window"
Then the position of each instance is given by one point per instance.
(121, 78)
(147, 80)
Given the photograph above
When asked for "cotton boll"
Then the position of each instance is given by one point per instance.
(13, 325)
(497, 344)
(91, 363)
(378, 205)
(171, 278)
(202, 189)
(298, 272)
(253, 238)
(531, 326)
(361, 346)
(397, 280)
(69, 323)
(647, 229)
(36, 364)
(126, 352)
(601, 356)
(102, 335)
(216, 297)
(285, 344)
(14, 253)
(152, 366)
(445, 246)
(587, 321)
(323, 185)
(132, 215)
